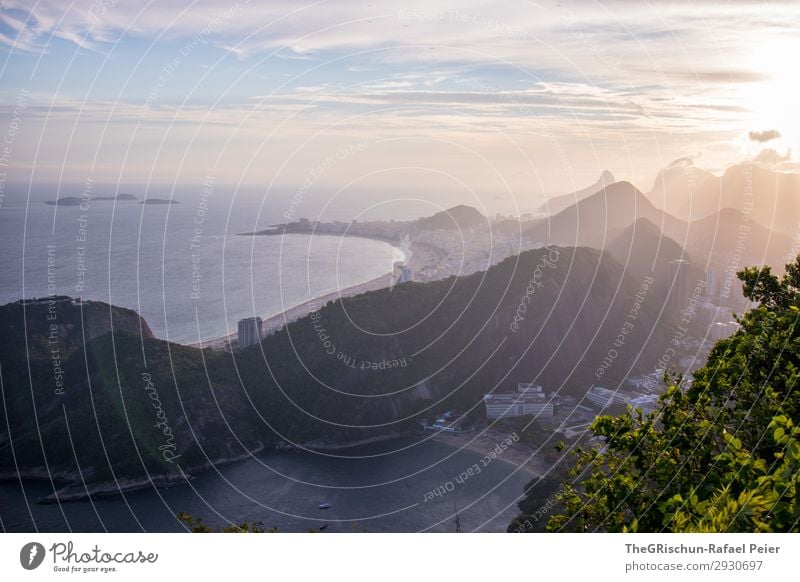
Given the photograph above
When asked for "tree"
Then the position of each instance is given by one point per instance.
(196, 525)
(719, 455)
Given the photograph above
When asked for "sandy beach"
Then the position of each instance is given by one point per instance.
(273, 323)
(418, 257)
(484, 442)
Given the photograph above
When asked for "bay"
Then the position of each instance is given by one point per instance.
(383, 487)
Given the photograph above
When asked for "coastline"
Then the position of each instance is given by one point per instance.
(418, 257)
(74, 488)
(484, 442)
(321, 447)
(275, 322)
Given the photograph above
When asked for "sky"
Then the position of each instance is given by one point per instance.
(500, 102)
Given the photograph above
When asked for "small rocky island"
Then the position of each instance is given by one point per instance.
(76, 201)
(158, 201)
(65, 201)
(118, 198)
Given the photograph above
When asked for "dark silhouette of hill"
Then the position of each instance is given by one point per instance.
(730, 238)
(362, 367)
(645, 251)
(615, 207)
(71, 322)
(725, 240)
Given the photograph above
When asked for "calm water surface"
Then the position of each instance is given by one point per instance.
(384, 492)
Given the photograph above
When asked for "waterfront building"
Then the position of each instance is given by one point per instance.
(406, 275)
(603, 397)
(249, 331)
(528, 399)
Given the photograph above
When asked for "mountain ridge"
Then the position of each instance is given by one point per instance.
(220, 406)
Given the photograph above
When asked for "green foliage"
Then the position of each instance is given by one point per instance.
(220, 405)
(721, 455)
(196, 525)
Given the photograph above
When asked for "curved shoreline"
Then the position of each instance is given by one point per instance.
(484, 441)
(71, 487)
(274, 323)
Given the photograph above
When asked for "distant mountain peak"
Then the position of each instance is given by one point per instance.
(458, 217)
(644, 224)
(559, 203)
(606, 178)
(463, 209)
(623, 186)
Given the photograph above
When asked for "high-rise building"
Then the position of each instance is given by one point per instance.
(711, 282)
(679, 279)
(404, 273)
(249, 331)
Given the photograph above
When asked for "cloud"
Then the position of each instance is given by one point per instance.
(772, 159)
(597, 41)
(642, 80)
(764, 136)
(718, 77)
(682, 161)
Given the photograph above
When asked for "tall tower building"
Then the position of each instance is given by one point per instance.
(679, 288)
(249, 331)
(406, 275)
(711, 282)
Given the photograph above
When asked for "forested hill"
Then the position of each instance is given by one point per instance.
(366, 366)
(721, 454)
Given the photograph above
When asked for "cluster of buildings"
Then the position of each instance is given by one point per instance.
(530, 400)
(705, 310)
(463, 251)
(385, 229)
(468, 251)
(451, 421)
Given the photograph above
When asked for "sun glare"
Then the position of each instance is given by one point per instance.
(773, 100)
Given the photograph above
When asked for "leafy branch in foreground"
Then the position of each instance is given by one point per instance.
(722, 455)
(196, 525)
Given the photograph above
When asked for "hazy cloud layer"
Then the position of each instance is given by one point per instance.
(549, 93)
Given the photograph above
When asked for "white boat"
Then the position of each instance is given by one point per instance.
(325, 505)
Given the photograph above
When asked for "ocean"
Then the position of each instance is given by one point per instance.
(182, 267)
(191, 277)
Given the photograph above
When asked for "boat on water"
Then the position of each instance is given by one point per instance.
(325, 505)
(323, 527)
